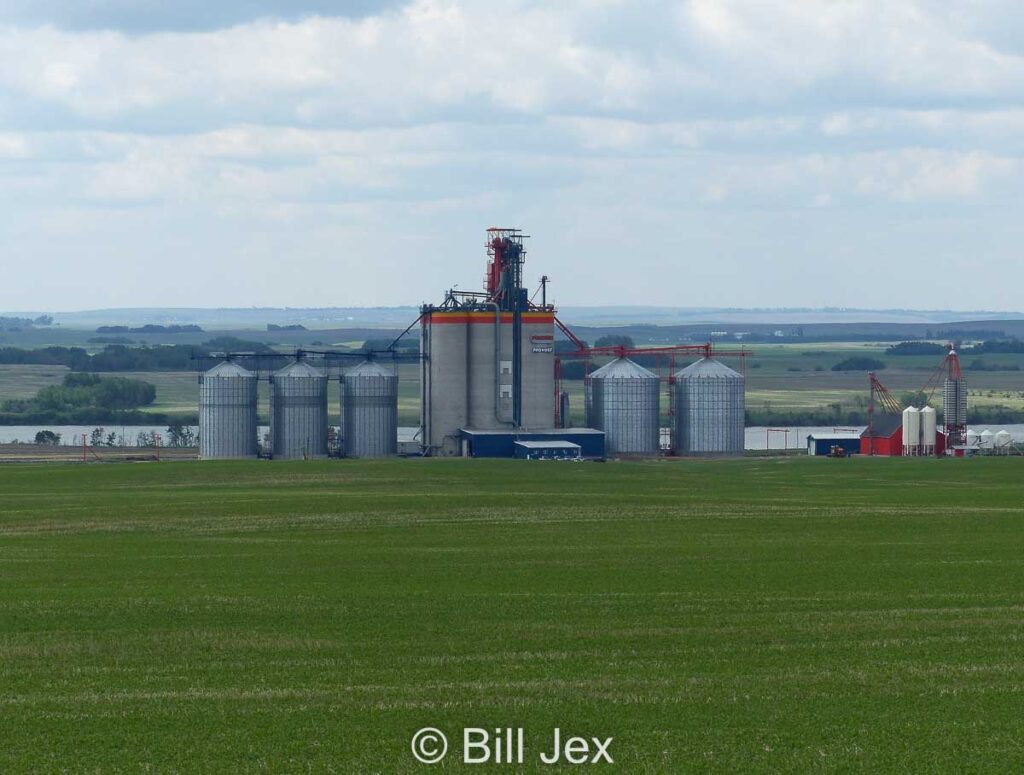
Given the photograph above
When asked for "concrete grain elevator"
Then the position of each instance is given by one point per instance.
(488, 356)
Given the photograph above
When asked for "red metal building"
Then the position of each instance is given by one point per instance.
(884, 436)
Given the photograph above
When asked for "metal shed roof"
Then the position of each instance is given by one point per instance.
(529, 431)
(554, 444)
(883, 426)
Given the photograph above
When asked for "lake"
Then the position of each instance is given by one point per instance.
(756, 438)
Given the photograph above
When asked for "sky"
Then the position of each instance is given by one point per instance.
(711, 153)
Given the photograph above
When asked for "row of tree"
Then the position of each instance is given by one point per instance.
(178, 435)
(17, 324)
(120, 357)
(82, 398)
(993, 346)
(150, 328)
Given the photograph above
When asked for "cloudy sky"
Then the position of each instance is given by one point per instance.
(700, 153)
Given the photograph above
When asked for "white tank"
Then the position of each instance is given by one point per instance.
(972, 439)
(1003, 441)
(911, 431)
(986, 440)
(929, 427)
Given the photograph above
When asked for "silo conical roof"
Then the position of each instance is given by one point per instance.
(708, 368)
(369, 369)
(228, 369)
(623, 368)
(299, 369)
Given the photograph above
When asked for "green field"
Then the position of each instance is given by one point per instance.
(730, 616)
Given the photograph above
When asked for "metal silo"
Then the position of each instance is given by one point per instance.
(227, 412)
(709, 408)
(911, 431)
(369, 406)
(928, 431)
(1003, 442)
(623, 401)
(298, 412)
(954, 410)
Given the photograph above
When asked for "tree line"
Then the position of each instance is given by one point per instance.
(17, 324)
(151, 328)
(120, 357)
(989, 346)
(83, 398)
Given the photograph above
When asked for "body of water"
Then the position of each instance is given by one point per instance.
(755, 438)
(71, 435)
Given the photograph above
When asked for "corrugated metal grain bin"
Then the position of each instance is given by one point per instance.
(369, 406)
(623, 401)
(298, 412)
(227, 412)
(710, 408)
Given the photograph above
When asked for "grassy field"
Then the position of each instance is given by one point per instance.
(731, 616)
(25, 380)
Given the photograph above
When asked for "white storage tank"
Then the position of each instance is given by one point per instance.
(911, 431)
(298, 412)
(227, 412)
(986, 440)
(929, 428)
(972, 438)
(1003, 441)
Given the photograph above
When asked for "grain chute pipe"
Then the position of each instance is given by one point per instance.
(497, 361)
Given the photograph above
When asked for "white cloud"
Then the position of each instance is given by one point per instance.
(400, 66)
(434, 58)
(433, 118)
(14, 146)
(873, 48)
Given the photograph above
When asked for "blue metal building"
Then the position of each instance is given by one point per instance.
(822, 443)
(501, 443)
(555, 449)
